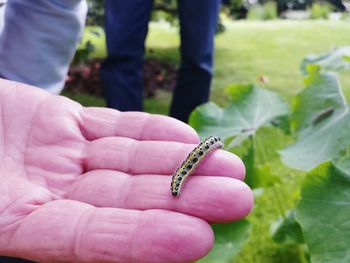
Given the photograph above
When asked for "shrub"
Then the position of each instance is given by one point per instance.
(267, 11)
(320, 11)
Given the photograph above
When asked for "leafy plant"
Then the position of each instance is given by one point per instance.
(243, 123)
(229, 239)
(95, 16)
(321, 117)
(324, 214)
(334, 60)
(249, 109)
(92, 45)
(287, 230)
(266, 11)
(320, 10)
(320, 122)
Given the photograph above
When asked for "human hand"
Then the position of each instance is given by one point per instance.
(93, 184)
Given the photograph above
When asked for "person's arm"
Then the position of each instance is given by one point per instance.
(39, 40)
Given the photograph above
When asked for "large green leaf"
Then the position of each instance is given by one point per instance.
(321, 117)
(250, 108)
(258, 175)
(325, 140)
(229, 240)
(260, 156)
(321, 96)
(335, 60)
(287, 230)
(324, 215)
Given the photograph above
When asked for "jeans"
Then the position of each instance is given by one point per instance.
(126, 28)
(13, 260)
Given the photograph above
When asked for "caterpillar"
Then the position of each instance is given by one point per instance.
(323, 115)
(192, 161)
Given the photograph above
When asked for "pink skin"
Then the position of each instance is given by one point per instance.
(93, 184)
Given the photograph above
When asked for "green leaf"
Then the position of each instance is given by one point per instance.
(250, 108)
(324, 215)
(343, 163)
(258, 175)
(326, 140)
(287, 231)
(283, 123)
(321, 117)
(260, 157)
(229, 240)
(322, 93)
(266, 175)
(250, 170)
(96, 36)
(335, 60)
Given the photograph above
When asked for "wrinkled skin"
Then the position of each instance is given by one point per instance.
(93, 184)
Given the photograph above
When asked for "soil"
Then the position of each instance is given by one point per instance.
(85, 78)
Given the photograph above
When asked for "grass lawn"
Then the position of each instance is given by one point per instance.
(246, 51)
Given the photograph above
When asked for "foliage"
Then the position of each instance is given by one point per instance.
(324, 214)
(285, 5)
(92, 45)
(250, 108)
(335, 60)
(83, 53)
(266, 11)
(287, 230)
(237, 9)
(322, 94)
(95, 16)
(165, 10)
(320, 119)
(321, 116)
(320, 10)
(229, 239)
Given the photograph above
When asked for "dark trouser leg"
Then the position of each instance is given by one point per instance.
(198, 21)
(14, 260)
(121, 73)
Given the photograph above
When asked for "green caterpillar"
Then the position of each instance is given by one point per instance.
(192, 161)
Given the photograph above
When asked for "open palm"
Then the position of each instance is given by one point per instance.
(93, 184)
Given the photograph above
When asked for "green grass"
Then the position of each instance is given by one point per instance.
(246, 51)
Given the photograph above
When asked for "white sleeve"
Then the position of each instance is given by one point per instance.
(39, 40)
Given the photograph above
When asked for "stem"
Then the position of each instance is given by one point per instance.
(279, 203)
(277, 195)
(252, 139)
(302, 256)
(262, 150)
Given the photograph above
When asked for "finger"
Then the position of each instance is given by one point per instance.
(101, 122)
(155, 157)
(68, 231)
(214, 199)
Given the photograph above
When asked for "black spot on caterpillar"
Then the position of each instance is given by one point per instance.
(192, 161)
